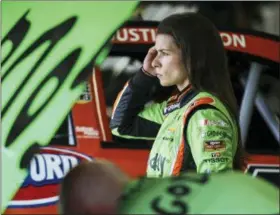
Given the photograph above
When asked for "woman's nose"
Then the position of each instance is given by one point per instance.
(155, 62)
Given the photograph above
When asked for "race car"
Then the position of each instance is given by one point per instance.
(85, 134)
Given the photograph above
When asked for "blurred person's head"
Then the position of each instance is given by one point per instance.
(92, 188)
(190, 51)
(102, 188)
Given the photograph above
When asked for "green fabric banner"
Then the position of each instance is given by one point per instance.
(48, 50)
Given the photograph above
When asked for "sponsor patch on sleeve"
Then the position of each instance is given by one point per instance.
(216, 160)
(210, 146)
(215, 154)
(215, 133)
(207, 122)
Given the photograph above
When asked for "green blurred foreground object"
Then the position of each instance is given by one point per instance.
(48, 50)
(221, 193)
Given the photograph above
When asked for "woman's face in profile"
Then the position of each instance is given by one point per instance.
(169, 66)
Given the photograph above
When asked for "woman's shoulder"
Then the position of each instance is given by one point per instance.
(205, 103)
(204, 94)
(206, 98)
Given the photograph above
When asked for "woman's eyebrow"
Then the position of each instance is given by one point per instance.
(161, 50)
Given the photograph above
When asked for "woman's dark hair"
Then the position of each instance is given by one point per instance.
(205, 60)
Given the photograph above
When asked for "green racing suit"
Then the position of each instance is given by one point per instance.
(191, 130)
(228, 192)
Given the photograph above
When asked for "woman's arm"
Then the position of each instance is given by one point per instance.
(212, 141)
(130, 117)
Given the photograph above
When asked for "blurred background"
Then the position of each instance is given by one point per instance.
(258, 15)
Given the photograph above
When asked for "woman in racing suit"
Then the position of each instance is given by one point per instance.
(197, 127)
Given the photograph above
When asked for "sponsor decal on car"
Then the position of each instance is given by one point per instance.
(86, 96)
(46, 171)
(87, 132)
